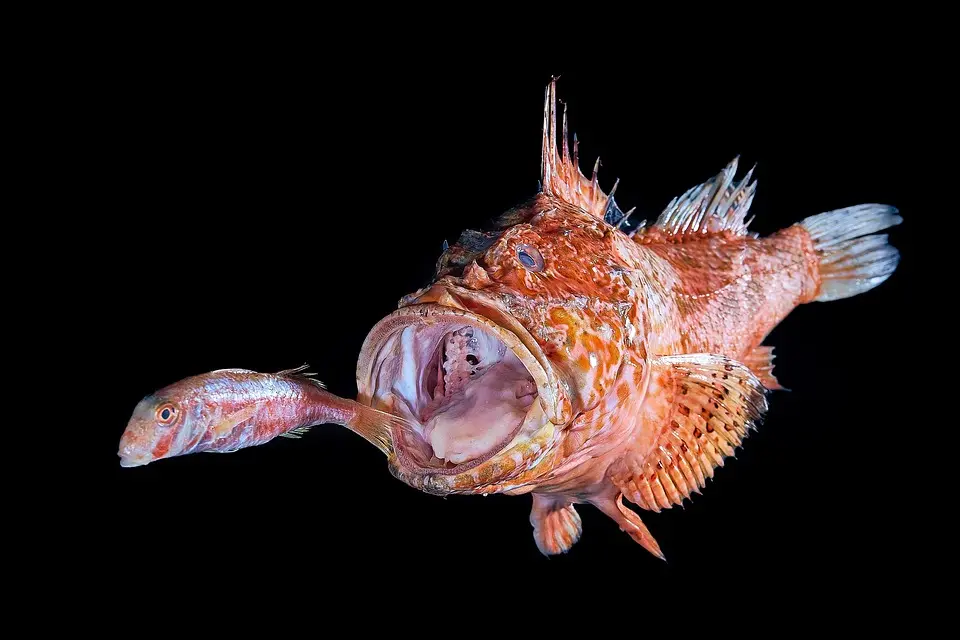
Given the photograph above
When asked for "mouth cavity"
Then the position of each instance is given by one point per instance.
(469, 395)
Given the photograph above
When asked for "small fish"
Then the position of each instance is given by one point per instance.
(562, 353)
(226, 410)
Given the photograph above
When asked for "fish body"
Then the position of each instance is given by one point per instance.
(646, 344)
(566, 353)
(231, 409)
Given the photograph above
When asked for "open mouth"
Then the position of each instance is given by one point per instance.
(453, 374)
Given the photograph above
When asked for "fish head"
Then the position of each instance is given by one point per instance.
(153, 431)
(521, 331)
(172, 421)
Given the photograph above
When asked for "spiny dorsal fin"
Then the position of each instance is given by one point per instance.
(301, 372)
(703, 407)
(294, 371)
(560, 174)
(716, 205)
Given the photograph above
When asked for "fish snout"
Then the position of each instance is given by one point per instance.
(135, 448)
(131, 456)
(131, 461)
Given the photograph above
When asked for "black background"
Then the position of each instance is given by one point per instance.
(271, 200)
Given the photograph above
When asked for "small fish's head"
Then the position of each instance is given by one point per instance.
(523, 330)
(164, 424)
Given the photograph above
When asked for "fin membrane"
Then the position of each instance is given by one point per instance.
(703, 405)
(717, 205)
(851, 260)
(560, 175)
(556, 525)
(296, 434)
(301, 372)
(629, 522)
(760, 361)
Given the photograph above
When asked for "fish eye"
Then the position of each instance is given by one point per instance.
(166, 413)
(530, 258)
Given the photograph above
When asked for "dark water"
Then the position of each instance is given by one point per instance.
(274, 210)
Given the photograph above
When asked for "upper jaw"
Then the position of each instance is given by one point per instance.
(446, 305)
(451, 301)
(135, 445)
(133, 461)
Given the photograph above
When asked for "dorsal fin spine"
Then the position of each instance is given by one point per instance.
(719, 204)
(561, 177)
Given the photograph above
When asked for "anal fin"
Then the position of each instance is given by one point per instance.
(630, 523)
(296, 433)
(760, 362)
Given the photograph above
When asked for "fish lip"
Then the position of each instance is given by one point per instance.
(133, 461)
(428, 309)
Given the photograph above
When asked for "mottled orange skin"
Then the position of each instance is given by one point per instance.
(601, 308)
(724, 293)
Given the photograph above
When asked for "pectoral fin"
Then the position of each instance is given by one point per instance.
(227, 424)
(701, 406)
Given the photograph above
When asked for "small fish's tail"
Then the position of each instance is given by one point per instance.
(379, 428)
(851, 260)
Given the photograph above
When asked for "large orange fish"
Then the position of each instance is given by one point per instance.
(562, 352)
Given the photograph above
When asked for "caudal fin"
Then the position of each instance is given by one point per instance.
(851, 260)
(378, 427)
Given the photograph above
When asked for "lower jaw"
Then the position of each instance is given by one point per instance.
(133, 462)
(401, 448)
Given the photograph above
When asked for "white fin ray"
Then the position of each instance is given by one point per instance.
(301, 372)
(560, 175)
(851, 260)
(717, 205)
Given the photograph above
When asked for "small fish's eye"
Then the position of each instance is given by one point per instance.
(530, 258)
(166, 413)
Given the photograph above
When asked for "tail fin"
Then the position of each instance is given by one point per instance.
(851, 260)
(379, 428)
